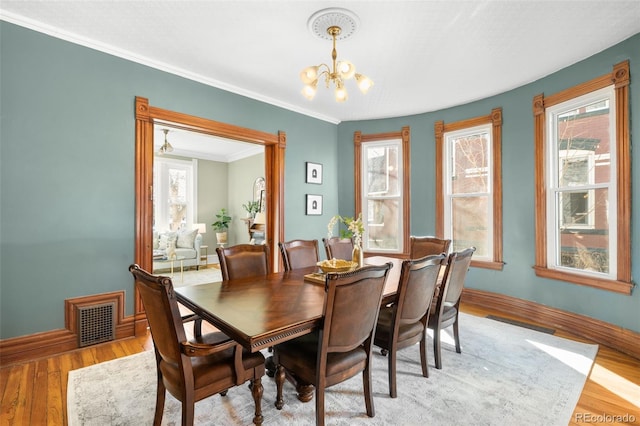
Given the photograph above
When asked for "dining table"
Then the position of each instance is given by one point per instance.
(263, 311)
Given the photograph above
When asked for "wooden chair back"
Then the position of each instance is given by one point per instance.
(163, 315)
(243, 261)
(426, 246)
(338, 248)
(298, 254)
(416, 288)
(351, 308)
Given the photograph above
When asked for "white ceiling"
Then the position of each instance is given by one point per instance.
(422, 55)
(190, 144)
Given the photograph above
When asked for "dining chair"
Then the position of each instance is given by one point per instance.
(447, 305)
(192, 370)
(404, 322)
(298, 254)
(426, 246)
(338, 248)
(342, 347)
(243, 261)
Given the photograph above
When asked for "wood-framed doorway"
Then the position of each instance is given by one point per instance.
(274, 150)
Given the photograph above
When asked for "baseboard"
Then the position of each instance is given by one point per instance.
(50, 343)
(603, 333)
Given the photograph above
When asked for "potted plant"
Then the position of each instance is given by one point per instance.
(252, 207)
(221, 225)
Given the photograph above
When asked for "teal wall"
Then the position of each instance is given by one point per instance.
(67, 169)
(67, 174)
(518, 278)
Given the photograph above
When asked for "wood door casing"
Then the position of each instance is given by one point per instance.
(274, 150)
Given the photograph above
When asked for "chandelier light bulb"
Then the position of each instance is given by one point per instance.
(309, 90)
(341, 92)
(364, 83)
(309, 75)
(346, 69)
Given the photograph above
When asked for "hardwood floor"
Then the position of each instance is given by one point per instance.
(35, 393)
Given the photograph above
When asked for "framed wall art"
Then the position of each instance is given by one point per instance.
(314, 205)
(314, 173)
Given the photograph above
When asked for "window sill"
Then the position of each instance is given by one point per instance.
(602, 284)
(496, 266)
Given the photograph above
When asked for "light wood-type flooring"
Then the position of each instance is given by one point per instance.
(34, 393)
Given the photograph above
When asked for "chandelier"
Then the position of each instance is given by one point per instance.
(166, 147)
(333, 24)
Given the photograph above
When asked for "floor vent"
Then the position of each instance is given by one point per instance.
(96, 323)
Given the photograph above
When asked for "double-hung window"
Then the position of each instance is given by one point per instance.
(583, 193)
(382, 190)
(469, 196)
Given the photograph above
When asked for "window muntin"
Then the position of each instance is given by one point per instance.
(468, 206)
(581, 194)
(382, 192)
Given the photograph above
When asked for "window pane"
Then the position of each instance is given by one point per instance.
(382, 171)
(469, 220)
(581, 247)
(470, 168)
(382, 225)
(583, 146)
(177, 197)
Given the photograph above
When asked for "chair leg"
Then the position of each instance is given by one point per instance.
(392, 373)
(188, 408)
(320, 404)
(368, 395)
(436, 347)
(456, 337)
(256, 391)
(279, 376)
(197, 327)
(160, 396)
(423, 355)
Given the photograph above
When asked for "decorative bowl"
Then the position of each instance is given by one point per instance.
(336, 265)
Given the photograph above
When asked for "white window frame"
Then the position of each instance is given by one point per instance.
(161, 182)
(553, 249)
(395, 142)
(448, 168)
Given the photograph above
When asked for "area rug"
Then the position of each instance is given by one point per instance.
(193, 277)
(505, 375)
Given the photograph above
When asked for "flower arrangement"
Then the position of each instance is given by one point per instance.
(355, 228)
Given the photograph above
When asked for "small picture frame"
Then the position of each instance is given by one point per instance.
(314, 173)
(314, 205)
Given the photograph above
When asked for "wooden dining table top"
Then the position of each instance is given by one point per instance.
(260, 312)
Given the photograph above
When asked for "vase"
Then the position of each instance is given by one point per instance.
(357, 255)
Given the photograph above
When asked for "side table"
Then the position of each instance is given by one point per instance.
(204, 255)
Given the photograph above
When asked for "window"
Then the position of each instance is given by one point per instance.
(469, 194)
(583, 183)
(382, 190)
(173, 195)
